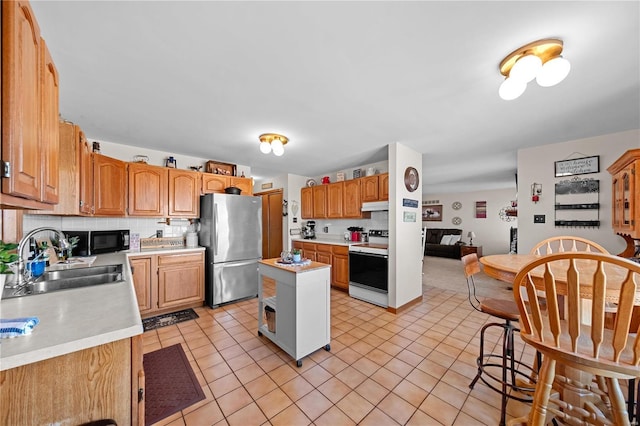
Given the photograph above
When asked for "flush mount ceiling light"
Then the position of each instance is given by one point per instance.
(272, 142)
(540, 60)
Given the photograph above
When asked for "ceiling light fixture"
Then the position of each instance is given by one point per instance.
(272, 142)
(540, 60)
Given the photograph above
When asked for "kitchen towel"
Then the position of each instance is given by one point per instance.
(17, 326)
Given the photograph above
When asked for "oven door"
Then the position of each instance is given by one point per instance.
(369, 270)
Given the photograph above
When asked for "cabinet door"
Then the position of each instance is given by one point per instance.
(370, 190)
(245, 184)
(147, 190)
(340, 267)
(324, 258)
(383, 187)
(180, 279)
(334, 200)
(21, 92)
(309, 251)
(351, 206)
(142, 283)
(214, 183)
(109, 182)
(86, 175)
(184, 193)
(306, 199)
(50, 130)
(319, 201)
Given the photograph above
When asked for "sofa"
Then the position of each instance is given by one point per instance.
(433, 246)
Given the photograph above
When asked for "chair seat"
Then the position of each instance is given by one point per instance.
(505, 309)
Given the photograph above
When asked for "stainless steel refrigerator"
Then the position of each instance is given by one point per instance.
(231, 231)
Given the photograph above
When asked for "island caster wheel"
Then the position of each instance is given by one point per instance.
(299, 363)
(259, 333)
(327, 347)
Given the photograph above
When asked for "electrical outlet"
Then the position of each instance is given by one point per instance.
(538, 218)
(159, 233)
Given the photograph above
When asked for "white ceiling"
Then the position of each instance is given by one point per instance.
(342, 80)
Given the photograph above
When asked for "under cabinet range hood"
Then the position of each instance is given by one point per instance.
(375, 206)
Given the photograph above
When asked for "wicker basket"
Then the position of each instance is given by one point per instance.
(270, 315)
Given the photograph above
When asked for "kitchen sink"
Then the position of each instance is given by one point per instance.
(66, 279)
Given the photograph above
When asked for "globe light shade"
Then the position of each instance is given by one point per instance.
(511, 89)
(553, 72)
(526, 68)
(265, 147)
(278, 148)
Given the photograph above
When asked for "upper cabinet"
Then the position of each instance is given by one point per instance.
(213, 183)
(306, 202)
(625, 215)
(375, 188)
(29, 112)
(184, 193)
(334, 200)
(319, 201)
(148, 190)
(352, 200)
(109, 182)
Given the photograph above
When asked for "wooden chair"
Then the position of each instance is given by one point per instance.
(515, 377)
(566, 243)
(608, 355)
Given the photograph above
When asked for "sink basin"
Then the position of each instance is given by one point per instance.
(66, 279)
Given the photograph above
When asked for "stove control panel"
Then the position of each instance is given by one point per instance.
(381, 233)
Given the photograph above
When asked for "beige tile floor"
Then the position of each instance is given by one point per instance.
(413, 368)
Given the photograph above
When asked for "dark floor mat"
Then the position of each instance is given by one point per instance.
(170, 383)
(168, 319)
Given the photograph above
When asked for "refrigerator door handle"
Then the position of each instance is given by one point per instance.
(215, 227)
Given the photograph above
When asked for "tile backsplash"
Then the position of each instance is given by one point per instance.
(146, 227)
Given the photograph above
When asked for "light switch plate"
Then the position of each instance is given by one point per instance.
(538, 218)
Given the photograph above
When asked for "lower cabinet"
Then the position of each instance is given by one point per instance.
(102, 382)
(165, 282)
(335, 255)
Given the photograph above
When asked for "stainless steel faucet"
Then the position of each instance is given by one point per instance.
(64, 245)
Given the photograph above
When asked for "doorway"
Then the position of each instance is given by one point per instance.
(271, 223)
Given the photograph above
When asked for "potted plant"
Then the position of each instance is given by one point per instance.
(297, 254)
(8, 256)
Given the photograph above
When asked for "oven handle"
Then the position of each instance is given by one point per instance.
(359, 253)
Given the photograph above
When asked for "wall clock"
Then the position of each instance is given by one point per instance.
(457, 205)
(456, 220)
(411, 179)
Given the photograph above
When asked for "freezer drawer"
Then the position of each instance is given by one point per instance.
(229, 281)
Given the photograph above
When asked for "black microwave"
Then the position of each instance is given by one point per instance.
(99, 242)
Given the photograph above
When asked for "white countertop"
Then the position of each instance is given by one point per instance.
(327, 240)
(148, 251)
(72, 320)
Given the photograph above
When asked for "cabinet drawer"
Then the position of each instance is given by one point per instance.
(340, 250)
(324, 248)
(309, 246)
(175, 259)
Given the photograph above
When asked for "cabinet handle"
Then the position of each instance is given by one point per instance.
(140, 395)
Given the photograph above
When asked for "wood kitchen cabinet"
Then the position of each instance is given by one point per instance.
(306, 202)
(29, 112)
(352, 200)
(184, 193)
(319, 201)
(148, 189)
(165, 282)
(101, 382)
(625, 214)
(335, 255)
(335, 200)
(109, 179)
(375, 188)
(213, 183)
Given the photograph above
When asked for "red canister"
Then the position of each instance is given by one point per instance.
(355, 236)
(325, 180)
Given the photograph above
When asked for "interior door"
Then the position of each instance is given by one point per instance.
(271, 223)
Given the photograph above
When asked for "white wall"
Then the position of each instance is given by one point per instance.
(537, 165)
(492, 233)
(405, 238)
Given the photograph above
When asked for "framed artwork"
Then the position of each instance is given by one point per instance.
(481, 209)
(432, 213)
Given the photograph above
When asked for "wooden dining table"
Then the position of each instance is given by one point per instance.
(505, 267)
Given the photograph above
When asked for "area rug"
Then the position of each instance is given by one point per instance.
(168, 319)
(170, 383)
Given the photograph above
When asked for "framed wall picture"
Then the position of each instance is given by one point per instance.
(481, 209)
(578, 166)
(432, 213)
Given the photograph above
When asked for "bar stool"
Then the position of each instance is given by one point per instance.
(516, 380)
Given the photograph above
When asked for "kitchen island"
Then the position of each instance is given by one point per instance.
(301, 301)
(82, 362)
